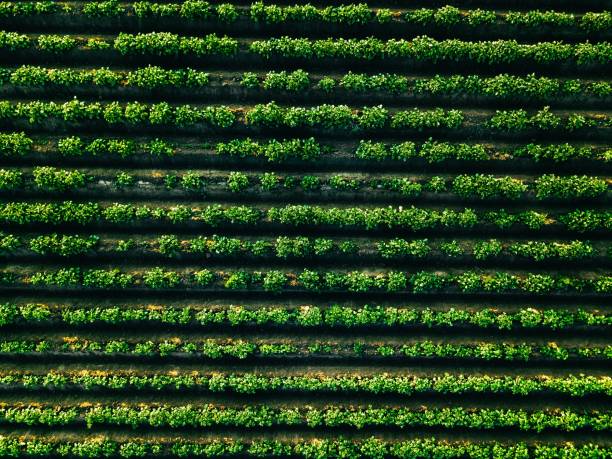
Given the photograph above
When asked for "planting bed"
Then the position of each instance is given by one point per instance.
(316, 230)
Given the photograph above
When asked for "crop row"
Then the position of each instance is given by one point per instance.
(334, 316)
(285, 247)
(446, 16)
(339, 448)
(479, 186)
(272, 116)
(313, 281)
(472, 186)
(435, 151)
(252, 383)
(258, 416)
(349, 14)
(503, 86)
(420, 49)
(242, 349)
(17, 144)
(412, 218)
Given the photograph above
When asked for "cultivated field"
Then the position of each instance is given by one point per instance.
(314, 230)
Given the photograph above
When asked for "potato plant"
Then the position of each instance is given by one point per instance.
(305, 229)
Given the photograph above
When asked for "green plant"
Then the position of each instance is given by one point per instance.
(238, 280)
(53, 179)
(451, 249)
(249, 80)
(204, 277)
(226, 12)
(237, 181)
(487, 249)
(125, 245)
(158, 278)
(10, 179)
(269, 181)
(274, 281)
(56, 44)
(169, 245)
(124, 179)
(191, 181)
(108, 8)
(326, 84)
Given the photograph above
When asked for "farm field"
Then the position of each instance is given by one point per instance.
(306, 229)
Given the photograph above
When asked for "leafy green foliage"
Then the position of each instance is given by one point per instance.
(327, 416)
(102, 9)
(237, 181)
(169, 44)
(412, 218)
(54, 179)
(552, 186)
(318, 447)
(488, 186)
(274, 281)
(158, 278)
(215, 349)
(56, 44)
(10, 179)
(63, 245)
(426, 49)
(274, 150)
